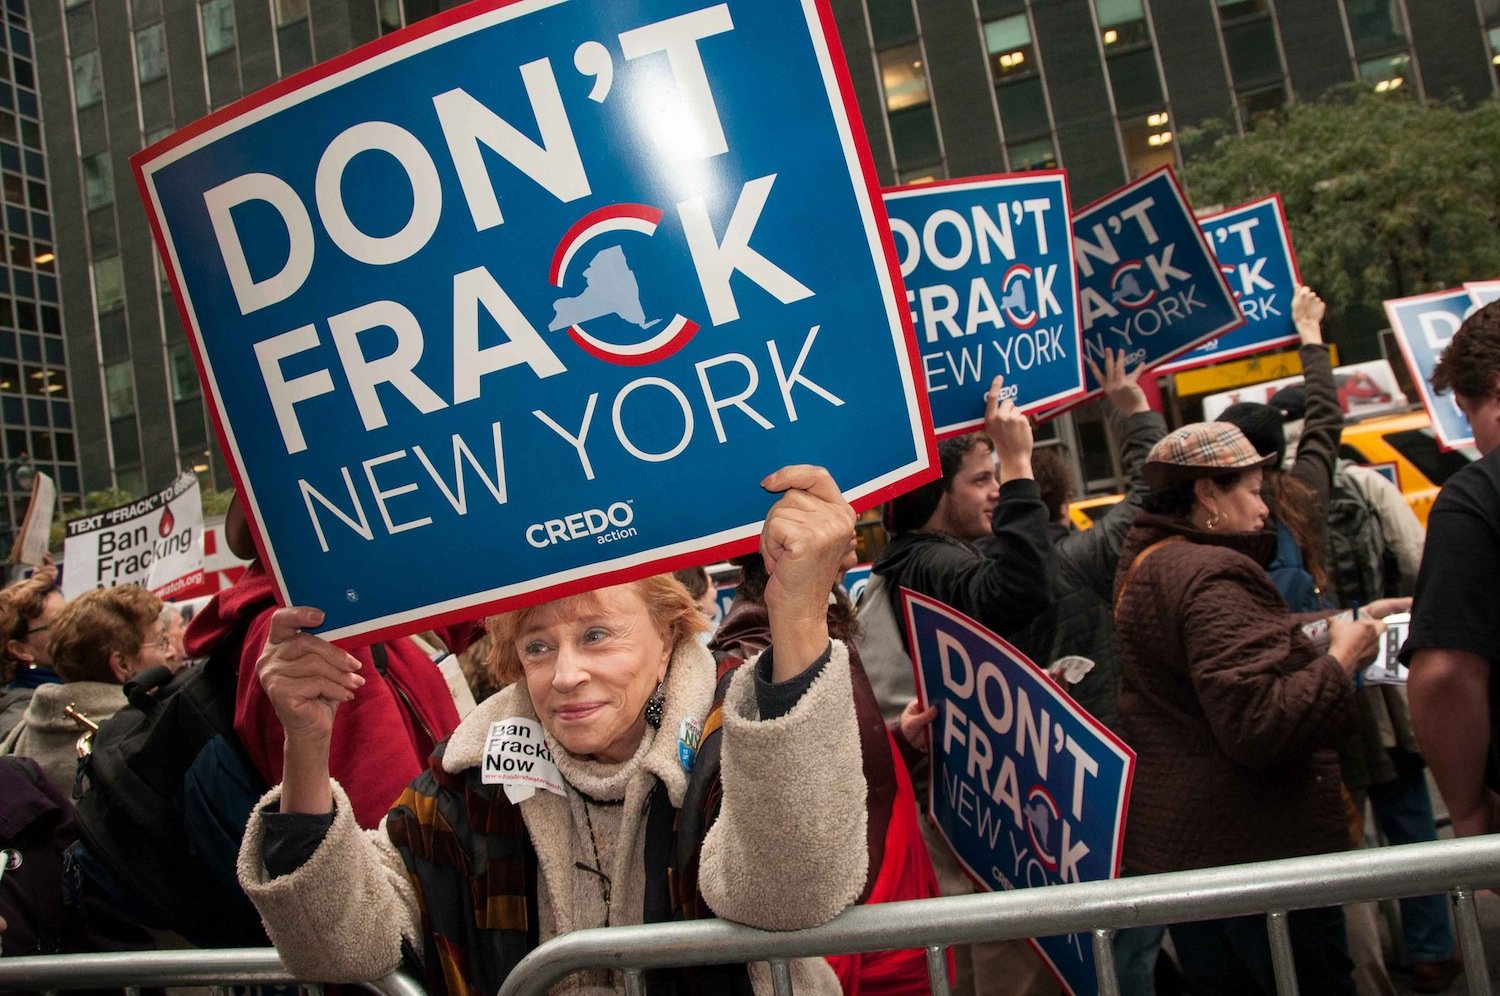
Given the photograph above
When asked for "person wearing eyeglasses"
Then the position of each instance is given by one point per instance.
(27, 609)
(96, 644)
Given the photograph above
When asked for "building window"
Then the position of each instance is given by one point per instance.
(88, 83)
(1136, 81)
(184, 373)
(1122, 23)
(151, 53)
(289, 11)
(903, 77)
(1253, 57)
(892, 22)
(98, 182)
(1493, 35)
(1375, 25)
(109, 284)
(1149, 142)
(145, 10)
(218, 26)
(1230, 10)
(119, 389)
(1251, 104)
(390, 15)
(1008, 41)
(1386, 73)
(294, 50)
(1032, 155)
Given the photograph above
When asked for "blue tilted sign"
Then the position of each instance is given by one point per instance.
(988, 265)
(1148, 283)
(528, 298)
(1027, 788)
(1423, 325)
(1254, 250)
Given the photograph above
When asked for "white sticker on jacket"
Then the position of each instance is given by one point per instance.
(516, 756)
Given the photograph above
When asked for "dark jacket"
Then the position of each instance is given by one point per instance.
(384, 734)
(1233, 713)
(1080, 622)
(1002, 588)
(1323, 425)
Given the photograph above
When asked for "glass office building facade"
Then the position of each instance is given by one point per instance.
(35, 408)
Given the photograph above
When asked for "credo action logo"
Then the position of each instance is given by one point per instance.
(606, 525)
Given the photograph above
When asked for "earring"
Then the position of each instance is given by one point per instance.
(1213, 521)
(655, 705)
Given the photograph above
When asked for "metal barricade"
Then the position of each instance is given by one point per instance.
(131, 970)
(1458, 867)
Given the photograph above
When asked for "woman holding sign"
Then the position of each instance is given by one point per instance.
(1234, 706)
(596, 790)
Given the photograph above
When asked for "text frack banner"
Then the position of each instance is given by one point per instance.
(1027, 788)
(1148, 283)
(988, 265)
(156, 542)
(1254, 250)
(485, 306)
(1422, 326)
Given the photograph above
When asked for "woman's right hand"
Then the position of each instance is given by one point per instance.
(914, 722)
(1355, 642)
(304, 676)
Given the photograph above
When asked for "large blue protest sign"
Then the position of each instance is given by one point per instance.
(1254, 250)
(1028, 789)
(487, 308)
(1422, 326)
(1483, 291)
(988, 265)
(1148, 283)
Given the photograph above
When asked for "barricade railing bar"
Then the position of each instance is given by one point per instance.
(1098, 909)
(1457, 867)
(132, 970)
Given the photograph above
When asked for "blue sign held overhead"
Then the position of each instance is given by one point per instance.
(1254, 250)
(988, 265)
(1027, 788)
(480, 305)
(1148, 283)
(1422, 326)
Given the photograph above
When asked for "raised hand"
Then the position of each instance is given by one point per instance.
(1010, 432)
(803, 542)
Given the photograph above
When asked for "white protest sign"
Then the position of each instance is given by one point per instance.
(36, 527)
(156, 542)
(516, 756)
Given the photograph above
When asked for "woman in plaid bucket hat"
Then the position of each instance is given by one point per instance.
(1234, 712)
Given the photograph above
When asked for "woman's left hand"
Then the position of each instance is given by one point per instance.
(803, 543)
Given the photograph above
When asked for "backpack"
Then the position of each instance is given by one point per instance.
(882, 648)
(1360, 565)
(163, 801)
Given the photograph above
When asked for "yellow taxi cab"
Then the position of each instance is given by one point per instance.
(1403, 445)
(1084, 511)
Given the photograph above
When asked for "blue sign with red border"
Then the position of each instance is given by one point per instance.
(1423, 325)
(988, 265)
(1254, 250)
(1027, 788)
(488, 308)
(1148, 283)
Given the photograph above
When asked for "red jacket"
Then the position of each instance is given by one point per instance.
(367, 757)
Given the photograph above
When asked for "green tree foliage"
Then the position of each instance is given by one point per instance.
(1385, 197)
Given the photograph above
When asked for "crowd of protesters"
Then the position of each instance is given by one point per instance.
(767, 764)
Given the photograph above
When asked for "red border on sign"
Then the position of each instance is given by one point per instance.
(822, 34)
(1429, 399)
(1000, 180)
(1223, 283)
(1285, 232)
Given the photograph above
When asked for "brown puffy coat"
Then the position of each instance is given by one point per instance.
(1233, 714)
